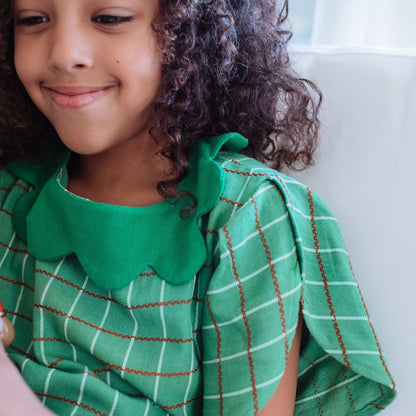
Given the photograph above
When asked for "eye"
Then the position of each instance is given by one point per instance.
(31, 20)
(107, 19)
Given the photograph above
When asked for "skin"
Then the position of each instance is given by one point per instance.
(283, 401)
(93, 68)
(106, 49)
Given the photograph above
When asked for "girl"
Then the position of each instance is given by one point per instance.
(150, 265)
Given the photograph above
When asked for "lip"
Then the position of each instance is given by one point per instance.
(75, 97)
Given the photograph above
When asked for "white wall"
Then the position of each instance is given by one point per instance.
(366, 172)
(365, 22)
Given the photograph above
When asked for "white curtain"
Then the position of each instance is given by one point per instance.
(387, 23)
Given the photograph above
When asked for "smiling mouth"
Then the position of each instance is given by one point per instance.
(75, 97)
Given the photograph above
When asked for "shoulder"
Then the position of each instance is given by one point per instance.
(257, 199)
(248, 180)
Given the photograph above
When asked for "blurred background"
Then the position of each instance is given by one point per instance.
(381, 23)
(362, 55)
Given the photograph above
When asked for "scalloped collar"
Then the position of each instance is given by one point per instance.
(114, 243)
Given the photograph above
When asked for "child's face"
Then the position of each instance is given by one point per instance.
(91, 66)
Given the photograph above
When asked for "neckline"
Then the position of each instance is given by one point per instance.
(115, 243)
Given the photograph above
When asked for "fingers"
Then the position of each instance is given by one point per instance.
(6, 330)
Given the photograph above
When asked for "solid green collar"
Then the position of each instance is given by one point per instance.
(116, 243)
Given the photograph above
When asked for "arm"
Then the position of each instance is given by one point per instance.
(16, 398)
(282, 402)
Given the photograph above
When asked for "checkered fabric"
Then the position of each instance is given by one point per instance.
(216, 345)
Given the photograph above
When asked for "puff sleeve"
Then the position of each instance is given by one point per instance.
(280, 251)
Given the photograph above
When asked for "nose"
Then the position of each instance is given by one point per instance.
(69, 48)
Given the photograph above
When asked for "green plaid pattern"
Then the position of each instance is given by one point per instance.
(216, 345)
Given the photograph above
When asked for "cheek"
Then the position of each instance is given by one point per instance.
(24, 62)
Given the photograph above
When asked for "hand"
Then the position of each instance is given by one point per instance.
(16, 398)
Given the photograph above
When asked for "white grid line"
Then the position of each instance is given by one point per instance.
(257, 308)
(67, 319)
(254, 349)
(41, 312)
(254, 234)
(146, 412)
(262, 191)
(198, 307)
(188, 387)
(326, 250)
(337, 317)
(306, 399)
(246, 390)
(24, 365)
(81, 392)
(22, 289)
(313, 364)
(228, 160)
(115, 402)
(250, 276)
(239, 196)
(98, 333)
(334, 283)
(7, 249)
(355, 352)
(46, 386)
(162, 352)
(136, 326)
(317, 218)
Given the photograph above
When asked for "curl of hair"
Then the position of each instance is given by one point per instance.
(225, 67)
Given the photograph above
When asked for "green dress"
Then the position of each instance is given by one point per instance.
(162, 311)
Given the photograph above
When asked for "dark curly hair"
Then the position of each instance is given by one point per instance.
(225, 67)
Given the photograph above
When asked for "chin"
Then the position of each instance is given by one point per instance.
(85, 143)
(86, 148)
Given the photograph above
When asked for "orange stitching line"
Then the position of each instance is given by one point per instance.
(314, 382)
(6, 212)
(15, 282)
(349, 392)
(245, 173)
(102, 370)
(74, 318)
(215, 232)
(16, 250)
(20, 315)
(274, 276)
(373, 330)
(243, 311)
(285, 188)
(325, 281)
(377, 407)
(223, 198)
(22, 187)
(66, 400)
(55, 362)
(147, 274)
(181, 404)
(217, 330)
(31, 357)
(5, 189)
(208, 266)
(47, 339)
(232, 160)
(147, 305)
(146, 373)
(381, 389)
